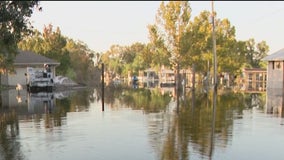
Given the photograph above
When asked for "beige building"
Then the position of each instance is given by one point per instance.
(275, 68)
(23, 60)
(254, 80)
(275, 82)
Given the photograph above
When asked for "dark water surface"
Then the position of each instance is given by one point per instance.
(139, 124)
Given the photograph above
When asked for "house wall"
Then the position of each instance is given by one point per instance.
(4, 79)
(275, 101)
(18, 77)
(275, 74)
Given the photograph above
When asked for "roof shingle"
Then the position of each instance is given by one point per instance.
(31, 58)
(277, 56)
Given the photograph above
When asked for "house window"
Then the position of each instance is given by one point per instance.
(250, 85)
(257, 77)
(276, 65)
(261, 76)
(250, 76)
(250, 81)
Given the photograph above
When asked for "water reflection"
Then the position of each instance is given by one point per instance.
(211, 149)
(10, 148)
(199, 123)
(194, 125)
(193, 122)
(46, 110)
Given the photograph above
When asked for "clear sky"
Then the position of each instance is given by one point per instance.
(101, 24)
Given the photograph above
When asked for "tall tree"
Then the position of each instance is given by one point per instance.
(197, 43)
(113, 59)
(230, 52)
(122, 60)
(157, 54)
(81, 62)
(198, 46)
(14, 24)
(172, 23)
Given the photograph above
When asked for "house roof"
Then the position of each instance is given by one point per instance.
(277, 56)
(31, 58)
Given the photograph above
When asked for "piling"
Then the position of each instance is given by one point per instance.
(103, 83)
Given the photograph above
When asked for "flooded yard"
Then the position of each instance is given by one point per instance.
(139, 124)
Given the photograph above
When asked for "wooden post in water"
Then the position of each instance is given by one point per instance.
(177, 86)
(214, 48)
(103, 88)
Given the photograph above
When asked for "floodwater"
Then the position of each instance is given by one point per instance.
(139, 124)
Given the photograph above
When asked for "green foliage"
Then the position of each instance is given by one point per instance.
(122, 60)
(81, 61)
(14, 24)
(255, 52)
(156, 53)
(172, 23)
(175, 39)
(50, 44)
(76, 59)
(197, 43)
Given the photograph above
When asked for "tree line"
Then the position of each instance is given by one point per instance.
(76, 59)
(175, 39)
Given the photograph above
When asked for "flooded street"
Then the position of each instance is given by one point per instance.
(138, 124)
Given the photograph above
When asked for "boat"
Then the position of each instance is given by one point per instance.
(38, 80)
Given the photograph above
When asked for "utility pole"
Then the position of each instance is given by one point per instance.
(214, 48)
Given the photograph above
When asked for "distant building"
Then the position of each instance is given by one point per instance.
(23, 60)
(253, 80)
(165, 77)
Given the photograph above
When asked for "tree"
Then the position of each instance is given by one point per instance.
(76, 59)
(230, 52)
(122, 60)
(157, 54)
(172, 23)
(113, 59)
(197, 43)
(198, 46)
(14, 24)
(255, 52)
(81, 62)
(51, 44)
